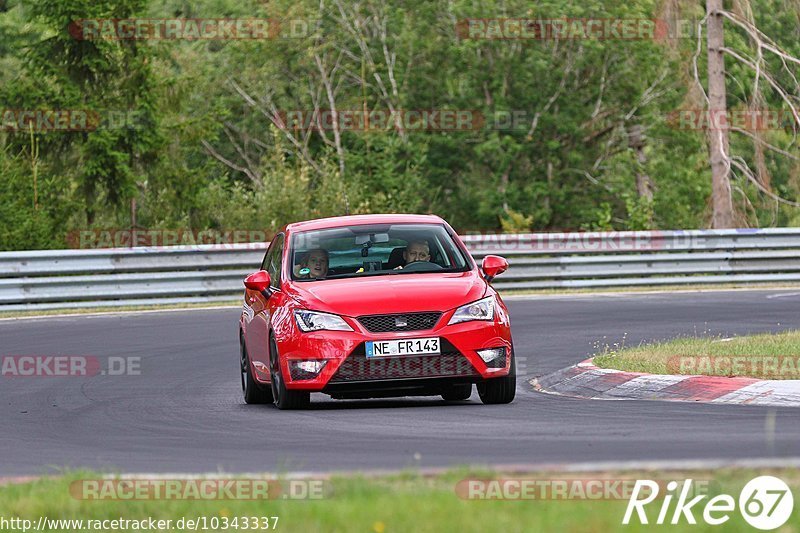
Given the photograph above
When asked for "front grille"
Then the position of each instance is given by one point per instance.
(400, 322)
(450, 363)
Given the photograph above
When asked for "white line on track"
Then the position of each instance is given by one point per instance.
(520, 468)
(623, 293)
(591, 466)
(784, 295)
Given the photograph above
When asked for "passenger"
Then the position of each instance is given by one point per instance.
(315, 264)
(415, 251)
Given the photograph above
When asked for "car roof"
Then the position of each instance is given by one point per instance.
(359, 220)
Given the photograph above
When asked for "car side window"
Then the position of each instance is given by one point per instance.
(273, 261)
(268, 253)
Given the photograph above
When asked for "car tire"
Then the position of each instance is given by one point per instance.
(253, 391)
(457, 393)
(285, 399)
(500, 390)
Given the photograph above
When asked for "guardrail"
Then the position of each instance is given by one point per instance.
(207, 273)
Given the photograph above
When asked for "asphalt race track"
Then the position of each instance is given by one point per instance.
(184, 413)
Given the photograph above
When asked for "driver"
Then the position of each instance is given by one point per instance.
(416, 251)
(315, 264)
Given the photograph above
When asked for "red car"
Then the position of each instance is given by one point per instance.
(374, 306)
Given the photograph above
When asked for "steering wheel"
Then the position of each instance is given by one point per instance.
(421, 266)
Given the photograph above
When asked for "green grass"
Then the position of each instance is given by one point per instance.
(398, 503)
(767, 356)
(119, 309)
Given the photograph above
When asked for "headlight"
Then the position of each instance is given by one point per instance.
(315, 321)
(480, 310)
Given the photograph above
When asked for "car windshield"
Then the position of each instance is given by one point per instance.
(374, 250)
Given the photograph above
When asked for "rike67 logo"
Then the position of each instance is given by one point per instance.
(765, 503)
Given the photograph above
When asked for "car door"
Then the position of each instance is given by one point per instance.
(257, 332)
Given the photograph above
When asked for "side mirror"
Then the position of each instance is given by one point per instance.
(493, 266)
(258, 281)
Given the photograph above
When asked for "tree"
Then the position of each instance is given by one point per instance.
(767, 54)
(721, 200)
(109, 78)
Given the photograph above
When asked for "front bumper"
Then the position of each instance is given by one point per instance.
(347, 368)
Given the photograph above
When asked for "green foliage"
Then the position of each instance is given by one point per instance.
(34, 210)
(516, 222)
(640, 213)
(601, 219)
(549, 149)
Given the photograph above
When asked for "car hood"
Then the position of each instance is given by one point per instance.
(388, 294)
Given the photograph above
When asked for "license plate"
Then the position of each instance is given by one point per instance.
(429, 345)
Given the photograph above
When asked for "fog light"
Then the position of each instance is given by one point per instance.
(491, 354)
(312, 367)
(306, 369)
